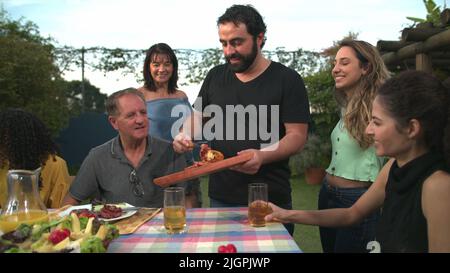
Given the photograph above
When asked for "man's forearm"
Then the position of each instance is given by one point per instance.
(69, 200)
(290, 144)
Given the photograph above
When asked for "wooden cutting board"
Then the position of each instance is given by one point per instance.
(131, 224)
(194, 172)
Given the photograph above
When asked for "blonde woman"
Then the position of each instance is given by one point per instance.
(358, 72)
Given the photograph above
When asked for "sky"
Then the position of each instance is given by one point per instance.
(137, 24)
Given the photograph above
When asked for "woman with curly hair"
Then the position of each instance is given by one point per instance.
(358, 72)
(26, 143)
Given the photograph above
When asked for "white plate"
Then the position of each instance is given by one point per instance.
(123, 216)
(70, 209)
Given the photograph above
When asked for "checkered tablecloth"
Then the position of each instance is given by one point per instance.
(208, 228)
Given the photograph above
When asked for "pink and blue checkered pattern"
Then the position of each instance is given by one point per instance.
(208, 228)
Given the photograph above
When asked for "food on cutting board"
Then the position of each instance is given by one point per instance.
(207, 155)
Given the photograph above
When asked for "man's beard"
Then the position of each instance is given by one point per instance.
(245, 60)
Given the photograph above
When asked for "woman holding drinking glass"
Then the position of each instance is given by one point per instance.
(410, 123)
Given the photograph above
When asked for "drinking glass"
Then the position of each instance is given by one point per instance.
(258, 206)
(174, 210)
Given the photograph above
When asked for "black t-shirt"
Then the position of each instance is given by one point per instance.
(276, 96)
(402, 226)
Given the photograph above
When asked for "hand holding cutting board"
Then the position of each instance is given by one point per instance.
(203, 169)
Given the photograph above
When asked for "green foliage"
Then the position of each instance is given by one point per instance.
(303, 61)
(324, 115)
(316, 153)
(198, 63)
(193, 64)
(93, 100)
(433, 14)
(119, 59)
(31, 67)
(304, 197)
(28, 77)
(324, 109)
(127, 61)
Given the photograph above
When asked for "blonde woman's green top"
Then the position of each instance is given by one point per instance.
(349, 160)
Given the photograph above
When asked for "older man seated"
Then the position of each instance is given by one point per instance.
(123, 169)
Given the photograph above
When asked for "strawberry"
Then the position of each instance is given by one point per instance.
(58, 235)
(222, 249)
(230, 248)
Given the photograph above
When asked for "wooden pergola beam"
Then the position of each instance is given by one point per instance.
(383, 45)
(436, 41)
(418, 34)
(442, 64)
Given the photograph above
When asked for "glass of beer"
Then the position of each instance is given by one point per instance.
(174, 210)
(258, 206)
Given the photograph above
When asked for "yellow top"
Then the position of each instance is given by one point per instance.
(55, 182)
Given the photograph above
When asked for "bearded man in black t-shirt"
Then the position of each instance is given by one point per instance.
(255, 105)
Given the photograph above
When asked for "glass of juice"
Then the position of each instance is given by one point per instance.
(258, 206)
(174, 210)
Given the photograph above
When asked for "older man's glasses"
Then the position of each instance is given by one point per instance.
(138, 190)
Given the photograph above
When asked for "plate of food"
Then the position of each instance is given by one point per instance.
(80, 231)
(114, 212)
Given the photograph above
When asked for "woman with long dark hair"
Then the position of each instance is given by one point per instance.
(410, 123)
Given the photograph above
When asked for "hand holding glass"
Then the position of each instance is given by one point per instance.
(258, 206)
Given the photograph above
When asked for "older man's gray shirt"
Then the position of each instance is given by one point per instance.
(105, 173)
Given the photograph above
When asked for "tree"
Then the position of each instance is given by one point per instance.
(94, 101)
(29, 79)
(433, 14)
(324, 109)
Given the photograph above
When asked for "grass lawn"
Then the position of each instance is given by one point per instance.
(304, 196)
